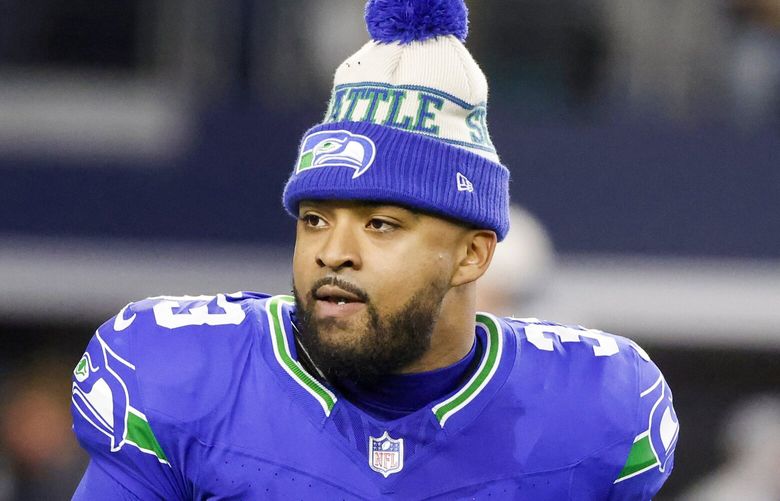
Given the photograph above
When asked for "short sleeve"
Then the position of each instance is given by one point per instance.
(651, 457)
(110, 423)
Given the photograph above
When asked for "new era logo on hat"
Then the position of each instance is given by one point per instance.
(463, 183)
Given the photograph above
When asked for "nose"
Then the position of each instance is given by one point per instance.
(340, 249)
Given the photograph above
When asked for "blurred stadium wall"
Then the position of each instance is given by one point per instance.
(144, 145)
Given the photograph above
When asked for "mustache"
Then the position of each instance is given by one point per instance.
(341, 284)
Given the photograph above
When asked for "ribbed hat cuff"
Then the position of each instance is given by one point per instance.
(414, 171)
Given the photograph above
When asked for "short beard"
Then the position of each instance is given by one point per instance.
(385, 347)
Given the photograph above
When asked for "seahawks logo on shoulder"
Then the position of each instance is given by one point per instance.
(653, 448)
(101, 395)
(337, 148)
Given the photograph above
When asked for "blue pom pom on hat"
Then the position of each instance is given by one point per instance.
(405, 21)
(406, 123)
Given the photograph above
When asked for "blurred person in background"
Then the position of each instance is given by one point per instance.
(755, 73)
(695, 60)
(42, 457)
(666, 58)
(751, 439)
(526, 255)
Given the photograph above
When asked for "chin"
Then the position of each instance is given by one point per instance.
(342, 332)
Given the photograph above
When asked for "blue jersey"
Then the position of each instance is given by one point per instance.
(203, 398)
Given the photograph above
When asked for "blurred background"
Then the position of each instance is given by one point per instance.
(144, 145)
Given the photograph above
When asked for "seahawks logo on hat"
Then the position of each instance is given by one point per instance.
(337, 148)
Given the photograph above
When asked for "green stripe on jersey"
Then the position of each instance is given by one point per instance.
(140, 434)
(283, 355)
(444, 410)
(640, 458)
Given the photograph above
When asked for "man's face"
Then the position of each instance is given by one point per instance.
(369, 281)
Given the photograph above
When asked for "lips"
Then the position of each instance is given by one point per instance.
(337, 295)
(334, 301)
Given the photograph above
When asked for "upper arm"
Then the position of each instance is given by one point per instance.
(110, 422)
(651, 457)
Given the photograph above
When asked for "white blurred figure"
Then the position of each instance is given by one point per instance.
(752, 441)
(520, 268)
(282, 56)
(666, 56)
(755, 72)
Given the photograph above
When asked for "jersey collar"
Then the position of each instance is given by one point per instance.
(280, 308)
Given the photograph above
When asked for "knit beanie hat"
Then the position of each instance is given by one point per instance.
(406, 122)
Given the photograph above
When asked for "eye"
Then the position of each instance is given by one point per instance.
(313, 221)
(380, 225)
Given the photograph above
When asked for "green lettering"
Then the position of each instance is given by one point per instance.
(354, 96)
(374, 95)
(334, 110)
(398, 97)
(476, 122)
(424, 113)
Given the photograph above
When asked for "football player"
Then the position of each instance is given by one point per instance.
(376, 379)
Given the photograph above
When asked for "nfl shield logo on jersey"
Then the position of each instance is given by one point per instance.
(385, 454)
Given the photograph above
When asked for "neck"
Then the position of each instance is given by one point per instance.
(453, 334)
(401, 394)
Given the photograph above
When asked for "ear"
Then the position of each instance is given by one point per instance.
(479, 246)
